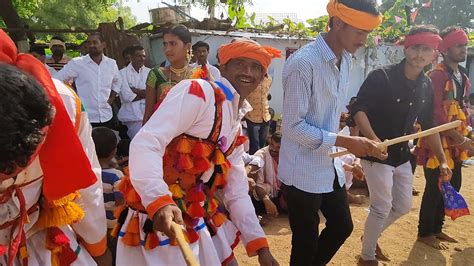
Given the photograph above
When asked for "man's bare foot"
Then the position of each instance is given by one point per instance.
(433, 242)
(444, 237)
(379, 254)
(362, 262)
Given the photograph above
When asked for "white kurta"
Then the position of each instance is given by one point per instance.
(179, 113)
(92, 229)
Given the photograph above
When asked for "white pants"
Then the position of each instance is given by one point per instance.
(390, 190)
(133, 128)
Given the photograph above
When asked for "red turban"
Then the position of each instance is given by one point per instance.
(426, 38)
(65, 165)
(452, 39)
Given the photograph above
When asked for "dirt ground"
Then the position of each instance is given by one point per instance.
(399, 241)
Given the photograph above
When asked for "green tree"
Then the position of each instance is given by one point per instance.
(235, 9)
(443, 13)
(65, 14)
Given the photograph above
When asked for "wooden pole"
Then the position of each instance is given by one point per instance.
(184, 246)
(421, 134)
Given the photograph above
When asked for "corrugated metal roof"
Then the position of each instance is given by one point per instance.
(239, 34)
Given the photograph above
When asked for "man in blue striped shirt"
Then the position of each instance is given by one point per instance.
(315, 83)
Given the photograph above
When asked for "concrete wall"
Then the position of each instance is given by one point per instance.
(376, 57)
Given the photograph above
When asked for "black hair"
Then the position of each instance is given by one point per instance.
(422, 28)
(367, 6)
(135, 48)
(127, 51)
(200, 44)
(123, 147)
(24, 111)
(276, 137)
(36, 48)
(57, 38)
(97, 34)
(105, 141)
(350, 119)
(448, 30)
(179, 31)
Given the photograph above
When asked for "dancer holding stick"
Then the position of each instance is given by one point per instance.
(389, 102)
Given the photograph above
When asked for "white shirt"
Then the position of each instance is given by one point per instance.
(214, 71)
(51, 70)
(94, 82)
(182, 112)
(132, 111)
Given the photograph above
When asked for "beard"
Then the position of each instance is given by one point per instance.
(94, 52)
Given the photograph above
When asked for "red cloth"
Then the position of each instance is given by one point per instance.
(65, 165)
(453, 38)
(427, 38)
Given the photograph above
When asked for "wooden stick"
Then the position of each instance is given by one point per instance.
(184, 246)
(421, 134)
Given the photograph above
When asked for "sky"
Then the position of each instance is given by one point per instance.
(304, 9)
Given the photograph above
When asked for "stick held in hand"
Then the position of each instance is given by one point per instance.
(421, 134)
(184, 246)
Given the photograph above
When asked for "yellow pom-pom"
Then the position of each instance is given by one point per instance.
(176, 191)
(56, 216)
(453, 110)
(184, 146)
(219, 157)
(218, 219)
(461, 115)
(432, 163)
(449, 159)
(463, 156)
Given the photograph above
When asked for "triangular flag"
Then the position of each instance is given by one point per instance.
(413, 15)
(377, 39)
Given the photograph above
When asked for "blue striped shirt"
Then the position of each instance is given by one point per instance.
(314, 97)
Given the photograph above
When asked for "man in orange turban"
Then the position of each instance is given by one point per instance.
(315, 82)
(187, 153)
(258, 119)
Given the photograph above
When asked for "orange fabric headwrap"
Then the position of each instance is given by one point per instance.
(356, 18)
(248, 49)
(65, 165)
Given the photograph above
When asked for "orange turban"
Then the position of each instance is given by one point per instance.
(248, 49)
(65, 165)
(356, 18)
